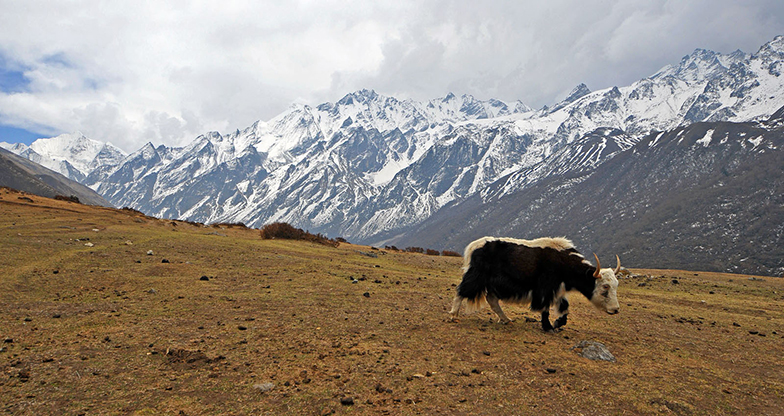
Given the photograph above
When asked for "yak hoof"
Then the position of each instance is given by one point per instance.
(553, 330)
(508, 321)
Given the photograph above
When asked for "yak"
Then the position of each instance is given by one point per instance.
(537, 272)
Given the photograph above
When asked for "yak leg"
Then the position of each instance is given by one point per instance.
(546, 326)
(456, 303)
(563, 312)
(493, 302)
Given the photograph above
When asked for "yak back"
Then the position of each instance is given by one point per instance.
(517, 272)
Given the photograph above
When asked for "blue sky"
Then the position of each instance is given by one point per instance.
(14, 81)
(167, 71)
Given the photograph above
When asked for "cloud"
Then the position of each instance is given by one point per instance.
(167, 71)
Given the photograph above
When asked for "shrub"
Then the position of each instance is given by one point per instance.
(431, 252)
(285, 231)
(450, 253)
(71, 198)
(414, 250)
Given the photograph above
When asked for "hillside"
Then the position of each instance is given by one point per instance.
(19, 173)
(216, 320)
(706, 196)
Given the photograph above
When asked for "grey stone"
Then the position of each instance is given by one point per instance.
(594, 350)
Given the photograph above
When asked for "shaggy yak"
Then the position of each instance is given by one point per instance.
(537, 272)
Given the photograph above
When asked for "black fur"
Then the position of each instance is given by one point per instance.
(512, 272)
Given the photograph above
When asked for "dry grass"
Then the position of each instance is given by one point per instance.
(108, 329)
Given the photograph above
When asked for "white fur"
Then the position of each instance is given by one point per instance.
(608, 303)
(558, 243)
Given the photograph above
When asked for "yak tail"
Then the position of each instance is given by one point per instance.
(473, 289)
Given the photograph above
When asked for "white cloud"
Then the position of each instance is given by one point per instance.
(167, 71)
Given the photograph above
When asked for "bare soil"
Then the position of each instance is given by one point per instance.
(219, 321)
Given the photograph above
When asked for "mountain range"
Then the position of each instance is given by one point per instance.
(664, 172)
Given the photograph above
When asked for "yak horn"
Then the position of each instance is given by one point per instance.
(618, 268)
(598, 266)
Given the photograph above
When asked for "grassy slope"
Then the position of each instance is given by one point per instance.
(93, 338)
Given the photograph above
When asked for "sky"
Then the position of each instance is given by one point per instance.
(132, 72)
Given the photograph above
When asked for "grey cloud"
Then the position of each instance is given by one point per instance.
(167, 71)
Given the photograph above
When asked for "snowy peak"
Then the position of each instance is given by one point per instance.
(773, 50)
(72, 155)
(577, 93)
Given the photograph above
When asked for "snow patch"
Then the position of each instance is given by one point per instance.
(706, 139)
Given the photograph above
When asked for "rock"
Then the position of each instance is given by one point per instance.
(264, 387)
(242, 327)
(149, 252)
(366, 294)
(594, 350)
(89, 244)
(382, 389)
(164, 261)
(347, 401)
(205, 278)
(152, 291)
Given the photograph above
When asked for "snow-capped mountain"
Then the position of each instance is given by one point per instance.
(72, 155)
(372, 168)
(707, 196)
(321, 168)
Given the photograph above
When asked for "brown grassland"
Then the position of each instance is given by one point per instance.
(219, 321)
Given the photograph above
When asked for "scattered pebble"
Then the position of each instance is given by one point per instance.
(149, 252)
(366, 294)
(347, 401)
(89, 244)
(164, 261)
(205, 278)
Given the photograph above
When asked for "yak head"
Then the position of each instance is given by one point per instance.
(605, 293)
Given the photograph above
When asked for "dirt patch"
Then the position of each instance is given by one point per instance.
(183, 359)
